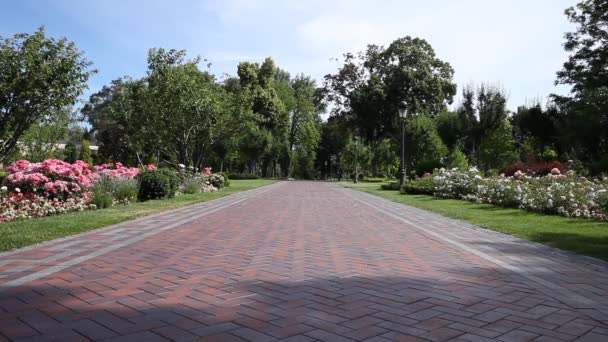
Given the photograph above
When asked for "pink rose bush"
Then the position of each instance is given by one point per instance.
(54, 186)
(45, 188)
(51, 178)
(118, 170)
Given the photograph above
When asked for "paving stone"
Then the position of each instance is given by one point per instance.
(300, 261)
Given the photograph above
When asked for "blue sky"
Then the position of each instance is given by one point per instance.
(517, 43)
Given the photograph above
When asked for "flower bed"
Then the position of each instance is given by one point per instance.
(556, 193)
(54, 186)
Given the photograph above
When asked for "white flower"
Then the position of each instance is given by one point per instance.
(3, 189)
(17, 190)
(181, 166)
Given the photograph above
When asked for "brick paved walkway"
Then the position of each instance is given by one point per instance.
(300, 261)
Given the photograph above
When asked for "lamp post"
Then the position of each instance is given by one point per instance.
(356, 164)
(332, 161)
(402, 116)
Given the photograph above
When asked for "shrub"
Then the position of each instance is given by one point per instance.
(102, 199)
(242, 176)
(374, 179)
(390, 186)
(533, 168)
(456, 184)
(125, 191)
(3, 175)
(53, 179)
(156, 184)
(215, 179)
(191, 185)
(459, 160)
(85, 153)
(226, 178)
(420, 186)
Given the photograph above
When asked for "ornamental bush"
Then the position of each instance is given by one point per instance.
(242, 176)
(226, 178)
(456, 184)
(157, 184)
(420, 186)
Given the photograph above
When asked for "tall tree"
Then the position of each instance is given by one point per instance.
(38, 77)
(368, 87)
(586, 70)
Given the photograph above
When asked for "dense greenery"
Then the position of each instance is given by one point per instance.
(265, 122)
(39, 77)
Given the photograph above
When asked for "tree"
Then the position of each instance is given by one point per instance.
(424, 148)
(38, 77)
(85, 152)
(42, 138)
(585, 111)
(449, 128)
(114, 114)
(367, 89)
(498, 149)
(184, 104)
(481, 113)
(70, 153)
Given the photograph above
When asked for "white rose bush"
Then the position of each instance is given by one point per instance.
(556, 194)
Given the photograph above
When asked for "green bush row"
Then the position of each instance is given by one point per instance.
(242, 176)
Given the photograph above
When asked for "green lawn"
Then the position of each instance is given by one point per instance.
(577, 235)
(28, 232)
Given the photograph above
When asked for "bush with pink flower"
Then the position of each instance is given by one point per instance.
(51, 179)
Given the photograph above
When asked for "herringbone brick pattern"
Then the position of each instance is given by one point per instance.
(304, 261)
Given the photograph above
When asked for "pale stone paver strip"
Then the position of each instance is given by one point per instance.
(300, 261)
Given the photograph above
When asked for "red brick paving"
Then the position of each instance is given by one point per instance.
(300, 261)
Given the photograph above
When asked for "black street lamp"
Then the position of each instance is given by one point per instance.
(356, 163)
(402, 116)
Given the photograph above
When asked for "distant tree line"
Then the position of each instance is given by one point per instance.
(267, 122)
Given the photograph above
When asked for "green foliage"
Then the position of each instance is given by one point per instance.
(390, 186)
(42, 75)
(157, 184)
(367, 89)
(420, 186)
(424, 148)
(85, 153)
(226, 178)
(585, 128)
(102, 199)
(449, 128)
(374, 179)
(216, 180)
(122, 191)
(191, 186)
(458, 160)
(70, 154)
(3, 174)
(40, 141)
(498, 149)
(237, 176)
(549, 154)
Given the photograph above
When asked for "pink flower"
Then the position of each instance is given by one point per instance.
(151, 167)
(555, 171)
(426, 174)
(206, 171)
